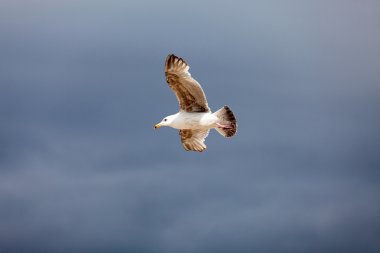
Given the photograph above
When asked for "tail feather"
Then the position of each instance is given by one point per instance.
(227, 119)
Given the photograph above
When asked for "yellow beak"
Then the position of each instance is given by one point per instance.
(157, 126)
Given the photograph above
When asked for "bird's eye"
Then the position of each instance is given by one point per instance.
(165, 119)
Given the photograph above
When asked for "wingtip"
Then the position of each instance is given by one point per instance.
(173, 60)
(171, 57)
(196, 150)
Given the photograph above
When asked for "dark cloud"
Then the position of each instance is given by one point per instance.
(83, 170)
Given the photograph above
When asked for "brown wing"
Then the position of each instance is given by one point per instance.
(190, 95)
(193, 140)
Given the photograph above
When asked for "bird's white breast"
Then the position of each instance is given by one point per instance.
(195, 120)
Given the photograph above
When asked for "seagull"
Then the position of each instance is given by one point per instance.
(194, 119)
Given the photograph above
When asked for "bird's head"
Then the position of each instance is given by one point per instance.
(167, 121)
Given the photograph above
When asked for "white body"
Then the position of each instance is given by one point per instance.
(192, 120)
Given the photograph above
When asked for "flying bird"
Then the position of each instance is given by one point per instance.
(194, 119)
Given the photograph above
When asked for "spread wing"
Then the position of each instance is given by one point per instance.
(193, 140)
(190, 95)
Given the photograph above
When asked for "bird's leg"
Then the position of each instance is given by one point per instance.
(224, 127)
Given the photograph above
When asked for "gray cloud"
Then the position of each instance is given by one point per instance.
(82, 170)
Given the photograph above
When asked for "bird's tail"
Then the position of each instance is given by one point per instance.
(227, 125)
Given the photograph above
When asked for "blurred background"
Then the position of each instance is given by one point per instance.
(82, 169)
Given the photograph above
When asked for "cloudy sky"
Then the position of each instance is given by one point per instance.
(83, 170)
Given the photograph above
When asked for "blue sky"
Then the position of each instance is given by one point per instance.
(82, 169)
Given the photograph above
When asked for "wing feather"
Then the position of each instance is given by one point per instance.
(189, 92)
(193, 140)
